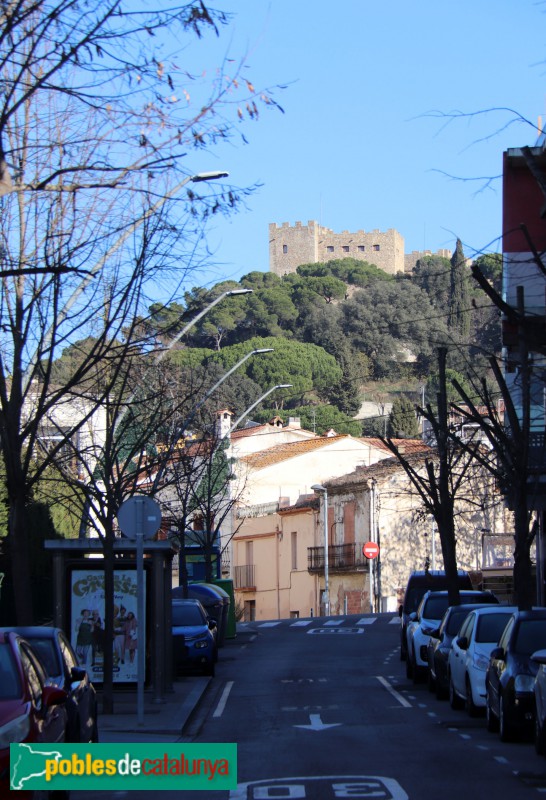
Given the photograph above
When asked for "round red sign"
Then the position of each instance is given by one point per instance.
(370, 549)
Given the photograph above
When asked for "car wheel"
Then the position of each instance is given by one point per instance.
(471, 708)
(505, 729)
(454, 700)
(409, 667)
(441, 693)
(209, 669)
(540, 737)
(492, 721)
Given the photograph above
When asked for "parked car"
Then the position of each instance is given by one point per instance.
(510, 678)
(469, 656)
(62, 668)
(439, 645)
(419, 582)
(31, 710)
(539, 658)
(426, 619)
(194, 636)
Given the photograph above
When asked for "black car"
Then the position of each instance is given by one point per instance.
(61, 665)
(440, 641)
(510, 678)
(420, 582)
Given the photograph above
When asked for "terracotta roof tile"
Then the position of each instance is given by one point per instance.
(282, 452)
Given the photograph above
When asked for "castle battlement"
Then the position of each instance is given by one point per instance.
(293, 245)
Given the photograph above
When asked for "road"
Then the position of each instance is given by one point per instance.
(322, 709)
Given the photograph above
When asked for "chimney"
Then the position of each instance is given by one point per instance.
(223, 423)
(294, 422)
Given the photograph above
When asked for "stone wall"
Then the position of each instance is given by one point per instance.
(291, 246)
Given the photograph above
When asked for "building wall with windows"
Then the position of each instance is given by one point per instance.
(291, 246)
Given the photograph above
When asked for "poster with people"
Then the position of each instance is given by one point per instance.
(87, 623)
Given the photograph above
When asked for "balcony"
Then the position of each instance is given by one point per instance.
(341, 558)
(243, 578)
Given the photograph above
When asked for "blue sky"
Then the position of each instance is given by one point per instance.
(357, 147)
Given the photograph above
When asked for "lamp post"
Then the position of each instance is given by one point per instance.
(63, 313)
(258, 401)
(317, 487)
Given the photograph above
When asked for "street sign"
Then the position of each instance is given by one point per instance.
(139, 515)
(370, 549)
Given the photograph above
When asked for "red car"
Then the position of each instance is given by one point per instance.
(30, 710)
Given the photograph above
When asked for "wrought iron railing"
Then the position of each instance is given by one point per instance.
(341, 558)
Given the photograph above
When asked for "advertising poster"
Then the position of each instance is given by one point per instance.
(87, 623)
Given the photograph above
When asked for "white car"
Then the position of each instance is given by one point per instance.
(469, 655)
(426, 619)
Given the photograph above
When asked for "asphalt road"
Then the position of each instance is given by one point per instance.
(322, 709)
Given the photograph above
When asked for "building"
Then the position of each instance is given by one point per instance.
(411, 259)
(291, 246)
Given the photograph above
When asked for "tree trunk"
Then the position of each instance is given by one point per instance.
(19, 560)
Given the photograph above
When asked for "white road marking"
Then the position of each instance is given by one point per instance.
(366, 621)
(397, 696)
(395, 621)
(219, 710)
(301, 623)
(269, 624)
(334, 622)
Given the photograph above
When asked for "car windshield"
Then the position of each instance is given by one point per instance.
(491, 626)
(48, 655)
(531, 636)
(414, 597)
(10, 684)
(187, 615)
(435, 607)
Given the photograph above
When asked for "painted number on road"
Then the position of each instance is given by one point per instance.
(335, 630)
(327, 788)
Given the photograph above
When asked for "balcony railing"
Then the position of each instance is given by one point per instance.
(341, 558)
(243, 577)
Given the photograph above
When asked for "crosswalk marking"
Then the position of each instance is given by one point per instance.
(332, 622)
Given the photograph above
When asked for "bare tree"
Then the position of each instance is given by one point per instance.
(96, 121)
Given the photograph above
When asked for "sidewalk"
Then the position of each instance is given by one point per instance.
(162, 721)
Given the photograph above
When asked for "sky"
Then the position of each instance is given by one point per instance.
(368, 139)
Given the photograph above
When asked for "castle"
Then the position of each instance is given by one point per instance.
(291, 246)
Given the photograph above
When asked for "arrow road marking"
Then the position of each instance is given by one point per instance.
(316, 724)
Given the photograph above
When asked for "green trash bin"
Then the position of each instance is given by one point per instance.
(227, 585)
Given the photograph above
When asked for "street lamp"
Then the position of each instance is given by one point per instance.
(317, 487)
(259, 400)
(63, 313)
(201, 314)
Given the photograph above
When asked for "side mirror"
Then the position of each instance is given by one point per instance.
(497, 653)
(539, 657)
(462, 642)
(53, 696)
(413, 616)
(213, 624)
(77, 674)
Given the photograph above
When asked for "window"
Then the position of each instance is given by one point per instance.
(330, 248)
(285, 248)
(294, 544)
(361, 248)
(345, 248)
(377, 247)
(249, 553)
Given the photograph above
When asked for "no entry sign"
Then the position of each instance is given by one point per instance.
(370, 549)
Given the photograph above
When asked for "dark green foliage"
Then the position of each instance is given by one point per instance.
(403, 420)
(459, 300)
